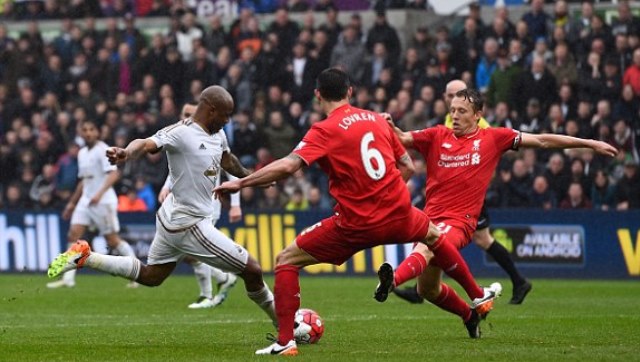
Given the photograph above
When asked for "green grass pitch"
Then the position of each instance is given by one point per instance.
(101, 320)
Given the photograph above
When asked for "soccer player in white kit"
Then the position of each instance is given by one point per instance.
(203, 272)
(94, 202)
(196, 151)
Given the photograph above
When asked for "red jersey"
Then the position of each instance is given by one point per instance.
(358, 150)
(459, 169)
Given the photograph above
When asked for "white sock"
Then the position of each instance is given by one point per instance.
(123, 266)
(217, 274)
(203, 277)
(125, 249)
(69, 277)
(264, 299)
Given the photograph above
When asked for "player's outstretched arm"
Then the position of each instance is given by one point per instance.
(406, 138)
(134, 150)
(274, 171)
(547, 140)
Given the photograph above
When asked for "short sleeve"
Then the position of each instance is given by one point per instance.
(169, 136)
(313, 146)
(422, 139)
(506, 138)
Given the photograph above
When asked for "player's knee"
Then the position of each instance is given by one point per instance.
(284, 257)
(149, 278)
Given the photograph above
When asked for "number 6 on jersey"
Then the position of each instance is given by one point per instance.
(370, 154)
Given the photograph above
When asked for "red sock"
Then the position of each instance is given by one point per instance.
(450, 260)
(287, 296)
(450, 301)
(411, 267)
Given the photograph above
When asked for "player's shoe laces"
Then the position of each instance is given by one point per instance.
(485, 304)
(385, 286)
(201, 303)
(520, 292)
(410, 294)
(289, 349)
(223, 289)
(60, 284)
(73, 258)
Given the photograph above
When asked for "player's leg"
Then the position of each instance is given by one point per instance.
(202, 272)
(207, 244)
(482, 237)
(448, 258)
(106, 218)
(79, 255)
(413, 265)
(431, 288)
(321, 242)
(162, 260)
(69, 278)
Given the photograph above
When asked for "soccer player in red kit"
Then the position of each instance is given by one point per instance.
(460, 164)
(367, 168)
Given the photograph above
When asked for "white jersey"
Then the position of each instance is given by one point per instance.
(217, 205)
(194, 158)
(93, 167)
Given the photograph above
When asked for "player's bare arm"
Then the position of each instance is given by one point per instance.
(406, 138)
(560, 141)
(73, 201)
(406, 167)
(112, 178)
(232, 165)
(274, 171)
(134, 150)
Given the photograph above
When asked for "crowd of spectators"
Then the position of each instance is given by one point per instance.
(546, 72)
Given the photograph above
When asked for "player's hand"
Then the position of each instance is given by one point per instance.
(68, 210)
(95, 200)
(388, 118)
(225, 188)
(116, 155)
(163, 194)
(604, 148)
(235, 214)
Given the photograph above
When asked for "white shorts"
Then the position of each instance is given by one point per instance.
(103, 216)
(202, 241)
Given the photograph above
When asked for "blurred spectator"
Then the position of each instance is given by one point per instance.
(130, 202)
(14, 198)
(575, 199)
(297, 202)
(603, 192)
(43, 184)
(537, 19)
(537, 83)
(628, 188)
(382, 32)
(145, 192)
(286, 30)
(279, 136)
(557, 175)
(632, 74)
(487, 64)
(349, 54)
(540, 196)
(273, 199)
(501, 81)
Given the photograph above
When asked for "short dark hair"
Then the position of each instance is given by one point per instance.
(473, 96)
(333, 84)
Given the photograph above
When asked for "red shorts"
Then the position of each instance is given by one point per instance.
(330, 243)
(458, 234)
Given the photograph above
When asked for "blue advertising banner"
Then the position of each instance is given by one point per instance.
(563, 244)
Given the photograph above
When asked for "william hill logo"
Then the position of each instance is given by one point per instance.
(30, 243)
(631, 254)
